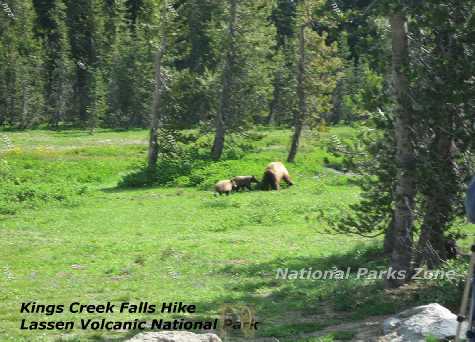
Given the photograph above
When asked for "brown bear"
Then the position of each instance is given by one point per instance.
(273, 174)
(225, 187)
(244, 182)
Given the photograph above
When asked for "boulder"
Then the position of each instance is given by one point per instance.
(174, 336)
(416, 324)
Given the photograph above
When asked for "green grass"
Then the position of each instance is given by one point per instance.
(74, 236)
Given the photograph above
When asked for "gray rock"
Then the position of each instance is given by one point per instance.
(174, 336)
(416, 324)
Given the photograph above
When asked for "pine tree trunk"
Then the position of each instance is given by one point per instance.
(218, 144)
(441, 189)
(401, 256)
(302, 112)
(440, 193)
(81, 92)
(274, 104)
(225, 101)
(60, 102)
(388, 245)
(156, 109)
(24, 104)
(337, 102)
(431, 246)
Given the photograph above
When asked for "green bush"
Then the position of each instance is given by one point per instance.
(30, 190)
(189, 164)
(33, 179)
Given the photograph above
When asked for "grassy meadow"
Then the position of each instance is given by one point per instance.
(69, 233)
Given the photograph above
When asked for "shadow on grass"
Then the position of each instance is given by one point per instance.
(288, 308)
(293, 307)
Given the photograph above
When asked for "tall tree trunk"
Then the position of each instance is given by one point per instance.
(218, 143)
(388, 245)
(442, 188)
(337, 103)
(440, 194)
(156, 108)
(59, 99)
(401, 256)
(274, 103)
(431, 245)
(225, 100)
(24, 104)
(301, 114)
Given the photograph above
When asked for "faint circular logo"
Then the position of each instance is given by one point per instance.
(237, 319)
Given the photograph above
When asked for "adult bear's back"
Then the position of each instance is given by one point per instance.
(273, 174)
(278, 169)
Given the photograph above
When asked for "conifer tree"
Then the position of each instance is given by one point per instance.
(50, 27)
(244, 77)
(166, 13)
(83, 36)
(21, 59)
(317, 68)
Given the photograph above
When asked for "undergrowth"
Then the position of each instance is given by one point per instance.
(187, 163)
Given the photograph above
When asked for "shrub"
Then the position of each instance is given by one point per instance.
(17, 193)
(31, 180)
(189, 164)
